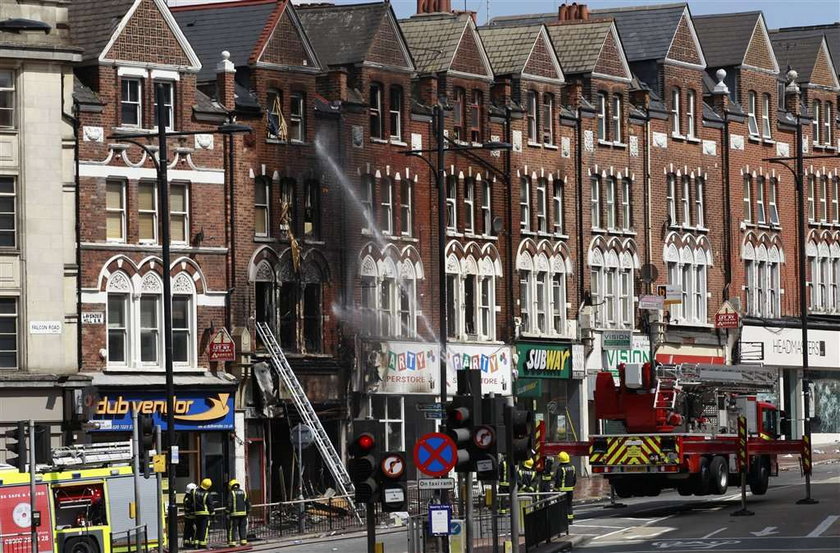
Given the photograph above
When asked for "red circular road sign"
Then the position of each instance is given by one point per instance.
(435, 454)
(393, 465)
(483, 437)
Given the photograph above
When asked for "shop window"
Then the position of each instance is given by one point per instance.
(8, 333)
(114, 210)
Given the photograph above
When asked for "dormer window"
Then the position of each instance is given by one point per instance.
(752, 121)
(396, 113)
(690, 99)
(602, 116)
(458, 104)
(675, 112)
(376, 122)
(131, 103)
(765, 116)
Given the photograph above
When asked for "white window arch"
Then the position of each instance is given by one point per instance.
(687, 268)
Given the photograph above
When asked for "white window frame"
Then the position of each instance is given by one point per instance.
(377, 122)
(387, 205)
(110, 211)
(11, 99)
(766, 128)
(671, 196)
(774, 208)
(625, 282)
(486, 207)
(297, 117)
(557, 202)
(699, 192)
(183, 216)
(469, 206)
(595, 201)
(406, 206)
(525, 204)
(835, 199)
(542, 291)
(526, 307)
(691, 98)
(368, 184)
(752, 121)
(153, 213)
(812, 189)
(612, 211)
(618, 134)
(395, 112)
(817, 123)
(686, 201)
(761, 214)
(827, 133)
(602, 116)
(168, 103)
(154, 330)
(452, 204)
(390, 419)
(548, 119)
(558, 303)
(626, 207)
(749, 285)
(747, 199)
(596, 285)
(676, 124)
(486, 325)
(542, 205)
(263, 208)
(407, 289)
(824, 198)
(125, 329)
(135, 104)
(533, 135)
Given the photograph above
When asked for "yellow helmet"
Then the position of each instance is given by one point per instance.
(233, 483)
(529, 463)
(563, 457)
(206, 484)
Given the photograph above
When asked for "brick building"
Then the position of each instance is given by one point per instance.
(640, 138)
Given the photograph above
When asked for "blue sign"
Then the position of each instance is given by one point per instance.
(193, 411)
(435, 454)
(440, 519)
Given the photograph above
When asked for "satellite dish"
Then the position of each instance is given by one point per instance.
(497, 225)
(649, 273)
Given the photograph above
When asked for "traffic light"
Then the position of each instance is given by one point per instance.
(362, 467)
(459, 422)
(392, 480)
(146, 437)
(520, 424)
(16, 443)
(43, 451)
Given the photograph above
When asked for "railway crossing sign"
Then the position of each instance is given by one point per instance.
(435, 454)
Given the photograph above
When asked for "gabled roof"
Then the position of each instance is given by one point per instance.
(509, 48)
(95, 25)
(832, 37)
(434, 39)
(799, 52)
(646, 31)
(343, 35)
(726, 37)
(233, 26)
(578, 45)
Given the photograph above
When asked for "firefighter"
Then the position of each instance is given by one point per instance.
(203, 509)
(565, 480)
(237, 510)
(189, 516)
(547, 476)
(527, 477)
(504, 485)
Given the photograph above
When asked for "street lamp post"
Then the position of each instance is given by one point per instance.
(161, 167)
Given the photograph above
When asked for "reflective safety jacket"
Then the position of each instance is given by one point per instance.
(238, 503)
(201, 502)
(526, 480)
(189, 506)
(566, 477)
(504, 477)
(547, 476)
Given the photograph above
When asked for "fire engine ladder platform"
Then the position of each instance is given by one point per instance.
(89, 454)
(666, 393)
(308, 415)
(734, 378)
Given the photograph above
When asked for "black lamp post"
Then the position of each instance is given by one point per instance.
(161, 166)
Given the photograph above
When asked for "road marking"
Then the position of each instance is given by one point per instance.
(768, 530)
(718, 531)
(823, 526)
(597, 526)
(631, 527)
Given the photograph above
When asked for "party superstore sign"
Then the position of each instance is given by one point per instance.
(545, 360)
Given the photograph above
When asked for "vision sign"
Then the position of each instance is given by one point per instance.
(545, 360)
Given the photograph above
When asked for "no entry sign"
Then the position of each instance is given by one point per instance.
(435, 454)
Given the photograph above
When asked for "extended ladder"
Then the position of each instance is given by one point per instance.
(87, 454)
(308, 414)
(666, 393)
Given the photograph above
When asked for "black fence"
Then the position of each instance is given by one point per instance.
(544, 520)
(130, 541)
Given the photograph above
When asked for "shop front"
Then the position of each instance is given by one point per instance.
(204, 425)
(549, 382)
(782, 348)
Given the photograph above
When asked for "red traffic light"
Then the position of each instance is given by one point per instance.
(459, 415)
(364, 443)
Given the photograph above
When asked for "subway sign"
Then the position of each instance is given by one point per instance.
(193, 411)
(544, 360)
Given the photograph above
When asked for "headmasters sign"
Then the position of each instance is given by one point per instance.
(783, 347)
(544, 360)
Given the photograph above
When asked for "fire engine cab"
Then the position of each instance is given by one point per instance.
(679, 428)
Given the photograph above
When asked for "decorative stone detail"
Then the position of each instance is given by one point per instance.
(660, 140)
(805, 141)
(565, 147)
(93, 134)
(357, 136)
(517, 141)
(119, 283)
(264, 272)
(204, 141)
(633, 142)
(495, 138)
(782, 149)
(183, 284)
(588, 141)
(710, 147)
(151, 284)
(736, 142)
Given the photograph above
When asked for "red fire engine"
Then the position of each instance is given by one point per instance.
(679, 428)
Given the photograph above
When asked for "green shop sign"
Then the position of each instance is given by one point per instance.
(529, 387)
(544, 360)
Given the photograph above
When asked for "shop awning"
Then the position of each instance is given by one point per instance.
(672, 355)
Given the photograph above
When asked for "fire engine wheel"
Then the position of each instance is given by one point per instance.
(719, 475)
(686, 487)
(623, 488)
(759, 479)
(704, 478)
(80, 545)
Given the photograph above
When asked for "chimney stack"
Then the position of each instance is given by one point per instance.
(573, 12)
(434, 6)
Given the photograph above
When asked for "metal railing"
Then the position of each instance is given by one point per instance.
(133, 540)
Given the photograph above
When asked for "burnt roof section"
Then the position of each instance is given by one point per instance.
(235, 27)
(726, 37)
(433, 39)
(646, 31)
(832, 38)
(93, 22)
(797, 52)
(342, 35)
(578, 44)
(509, 47)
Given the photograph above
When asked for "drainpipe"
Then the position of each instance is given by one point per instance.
(78, 230)
(579, 214)
(511, 253)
